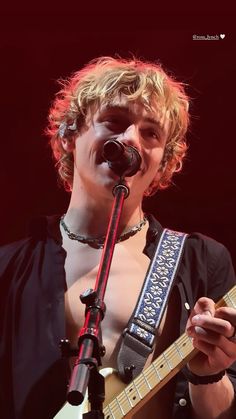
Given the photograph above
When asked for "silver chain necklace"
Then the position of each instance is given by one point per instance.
(98, 242)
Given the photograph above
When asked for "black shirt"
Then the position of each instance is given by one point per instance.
(33, 376)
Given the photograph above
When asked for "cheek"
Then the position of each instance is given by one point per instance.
(152, 168)
(152, 160)
(79, 149)
(83, 141)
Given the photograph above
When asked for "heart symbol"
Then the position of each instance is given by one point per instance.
(222, 35)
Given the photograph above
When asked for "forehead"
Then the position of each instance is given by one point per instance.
(133, 108)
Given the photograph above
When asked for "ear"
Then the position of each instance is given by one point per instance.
(68, 144)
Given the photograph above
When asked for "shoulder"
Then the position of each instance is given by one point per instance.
(41, 230)
(13, 252)
(206, 249)
(197, 245)
(207, 266)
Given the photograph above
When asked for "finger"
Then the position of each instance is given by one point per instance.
(226, 313)
(215, 358)
(215, 340)
(218, 325)
(204, 305)
(205, 347)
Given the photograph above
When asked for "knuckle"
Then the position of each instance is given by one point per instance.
(228, 327)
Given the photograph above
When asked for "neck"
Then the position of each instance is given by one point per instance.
(87, 217)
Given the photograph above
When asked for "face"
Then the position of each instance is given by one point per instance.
(132, 124)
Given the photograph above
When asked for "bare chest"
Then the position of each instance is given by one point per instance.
(126, 278)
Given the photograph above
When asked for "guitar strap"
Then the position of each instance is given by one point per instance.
(139, 336)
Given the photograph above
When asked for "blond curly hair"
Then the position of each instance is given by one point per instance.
(101, 81)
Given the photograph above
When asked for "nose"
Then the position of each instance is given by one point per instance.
(131, 136)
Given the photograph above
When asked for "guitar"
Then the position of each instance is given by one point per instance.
(124, 402)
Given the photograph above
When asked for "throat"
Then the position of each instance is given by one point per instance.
(98, 242)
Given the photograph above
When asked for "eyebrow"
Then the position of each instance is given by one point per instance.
(152, 121)
(125, 109)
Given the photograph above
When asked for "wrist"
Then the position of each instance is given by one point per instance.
(202, 379)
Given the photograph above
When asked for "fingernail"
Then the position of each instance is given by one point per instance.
(199, 330)
(196, 319)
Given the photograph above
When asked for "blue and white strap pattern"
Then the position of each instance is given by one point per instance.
(158, 282)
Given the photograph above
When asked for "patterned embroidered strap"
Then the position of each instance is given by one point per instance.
(140, 334)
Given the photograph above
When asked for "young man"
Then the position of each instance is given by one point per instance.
(139, 105)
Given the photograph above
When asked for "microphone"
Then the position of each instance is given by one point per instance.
(123, 159)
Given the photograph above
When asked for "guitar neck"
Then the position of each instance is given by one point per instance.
(153, 378)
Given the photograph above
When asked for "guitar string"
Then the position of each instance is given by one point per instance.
(151, 373)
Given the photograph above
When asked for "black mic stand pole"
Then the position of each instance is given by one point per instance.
(90, 349)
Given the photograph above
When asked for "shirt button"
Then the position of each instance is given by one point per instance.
(187, 306)
(182, 402)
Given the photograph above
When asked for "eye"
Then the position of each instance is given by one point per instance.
(150, 133)
(115, 123)
(153, 134)
(112, 120)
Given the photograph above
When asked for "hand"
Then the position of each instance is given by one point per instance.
(211, 330)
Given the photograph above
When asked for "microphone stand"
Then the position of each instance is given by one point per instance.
(90, 348)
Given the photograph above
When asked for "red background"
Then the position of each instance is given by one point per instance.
(39, 47)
